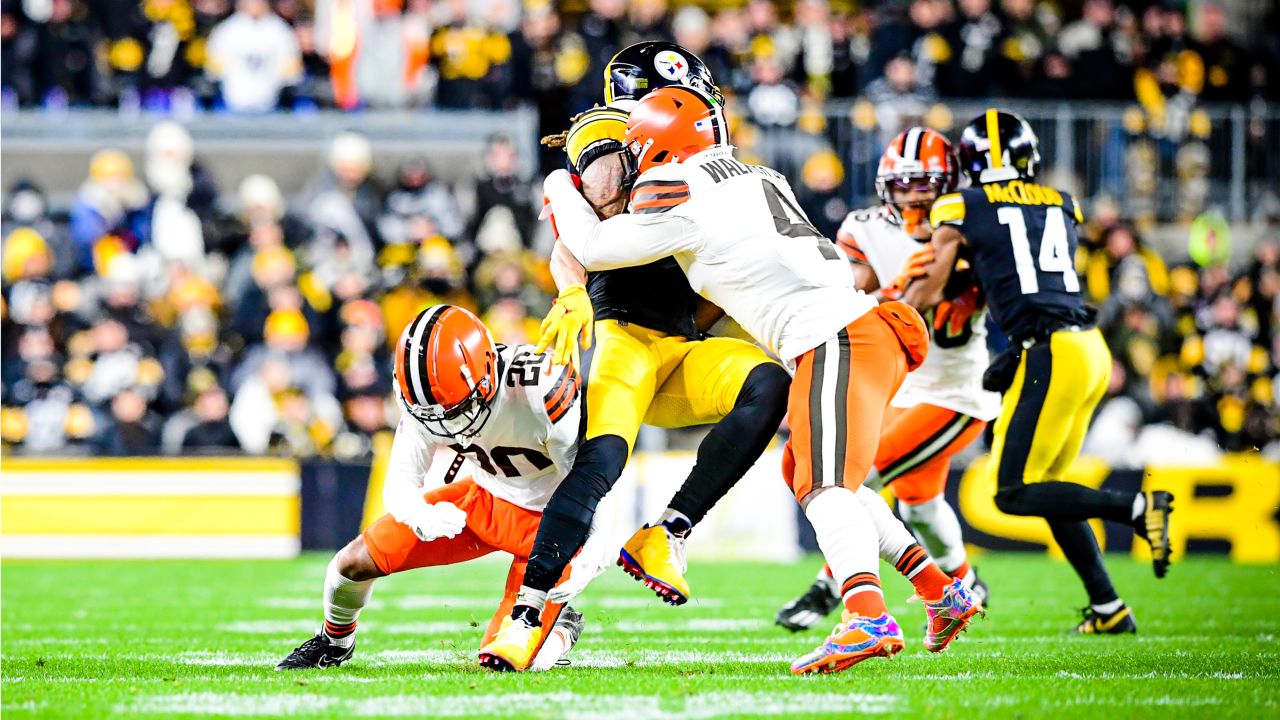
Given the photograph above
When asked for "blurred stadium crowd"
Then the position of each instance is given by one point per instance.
(161, 313)
(254, 56)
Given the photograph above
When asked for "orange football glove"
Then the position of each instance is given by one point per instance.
(954, 313)
(913, 269)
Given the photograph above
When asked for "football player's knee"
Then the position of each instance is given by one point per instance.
(597, 467)
(1010, 501)
(355, 563)
(767, 387)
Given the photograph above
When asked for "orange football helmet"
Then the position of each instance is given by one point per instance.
(917, 159)
(446, 371)
(672, 123)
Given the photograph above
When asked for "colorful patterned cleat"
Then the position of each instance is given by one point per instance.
(950, 615)
(513, 648)
(655, 557)
(1120, 622)
(1155, 527)
(854, 640)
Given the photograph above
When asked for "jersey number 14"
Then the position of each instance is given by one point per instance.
(1054, 251)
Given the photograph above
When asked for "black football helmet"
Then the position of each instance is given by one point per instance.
(646, 66)
(997, 146)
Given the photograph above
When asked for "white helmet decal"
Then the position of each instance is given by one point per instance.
(671, 65)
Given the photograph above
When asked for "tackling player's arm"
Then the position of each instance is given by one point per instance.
(621, 241)
(403, 490)
(925, 291)
(864, 277)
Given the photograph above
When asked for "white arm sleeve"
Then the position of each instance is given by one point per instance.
(621, 241)
(407, 469)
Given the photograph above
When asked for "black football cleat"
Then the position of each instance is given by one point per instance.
(1155, 528)
(316, 652)
(1120, 622)
(810, 608)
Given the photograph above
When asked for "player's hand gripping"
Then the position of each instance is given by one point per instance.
(914, 268)
(568, 326)
(954, 313)
(438, 520)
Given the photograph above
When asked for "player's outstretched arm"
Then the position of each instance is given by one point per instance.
(925, 291)
(621, 241)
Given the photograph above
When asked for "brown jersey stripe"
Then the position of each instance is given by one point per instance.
(566, 400)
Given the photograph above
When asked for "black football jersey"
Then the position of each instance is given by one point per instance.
(1022, 237)
(655, 296)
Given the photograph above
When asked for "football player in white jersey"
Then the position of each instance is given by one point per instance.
(509, 411)
(941, 407)
(737, 233)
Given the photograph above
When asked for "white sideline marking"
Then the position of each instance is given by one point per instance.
(568, 705)
(452, 627)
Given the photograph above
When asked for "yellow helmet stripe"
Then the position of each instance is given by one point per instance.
(993, 134)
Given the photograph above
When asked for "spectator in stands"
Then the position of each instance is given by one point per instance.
(28, 207)
(1139, 327)
(253, 56)
(285, 336)
(346, 200)
(821, 192)
(1023, 45)
(49, 54)
(1226, 64)
(1116, 244)
(130, 428)
(154, 54)
(212, 430)
(973, 39)
(772, 101)
(376, 53)
(109, 214)
(502, 185)
(600, 30)
(900, 96)
(418, 199)
(1100, 55)
(176, 228)
(472, 57)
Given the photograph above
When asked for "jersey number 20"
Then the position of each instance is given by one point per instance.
(1054, 250)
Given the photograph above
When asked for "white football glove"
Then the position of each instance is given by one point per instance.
(441, 520)
(598, 552)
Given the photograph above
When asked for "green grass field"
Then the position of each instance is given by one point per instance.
(198, 639)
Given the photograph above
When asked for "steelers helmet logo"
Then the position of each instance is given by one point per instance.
(671, 65)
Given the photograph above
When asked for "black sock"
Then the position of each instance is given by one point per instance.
(1058, 501)
(1081, 549)
(736, 442)
(567, 518)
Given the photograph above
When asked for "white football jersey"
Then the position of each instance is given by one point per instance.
(951, 376)
(524, 450)
(738, 233)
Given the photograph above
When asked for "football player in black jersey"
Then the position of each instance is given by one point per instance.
(1019, 238)
(650, 363)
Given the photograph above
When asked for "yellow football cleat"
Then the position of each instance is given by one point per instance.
(655, 557)
(513, 648)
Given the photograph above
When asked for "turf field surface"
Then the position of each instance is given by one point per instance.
(168, 639)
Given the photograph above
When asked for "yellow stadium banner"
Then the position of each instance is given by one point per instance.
(150, 508)
(1230, 505)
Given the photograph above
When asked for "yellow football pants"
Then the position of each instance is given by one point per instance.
(1046, 411)
(638, 375)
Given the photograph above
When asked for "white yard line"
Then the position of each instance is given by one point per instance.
(568, 705)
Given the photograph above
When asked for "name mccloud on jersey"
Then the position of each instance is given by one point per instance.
(524, 450)
(951, 376)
